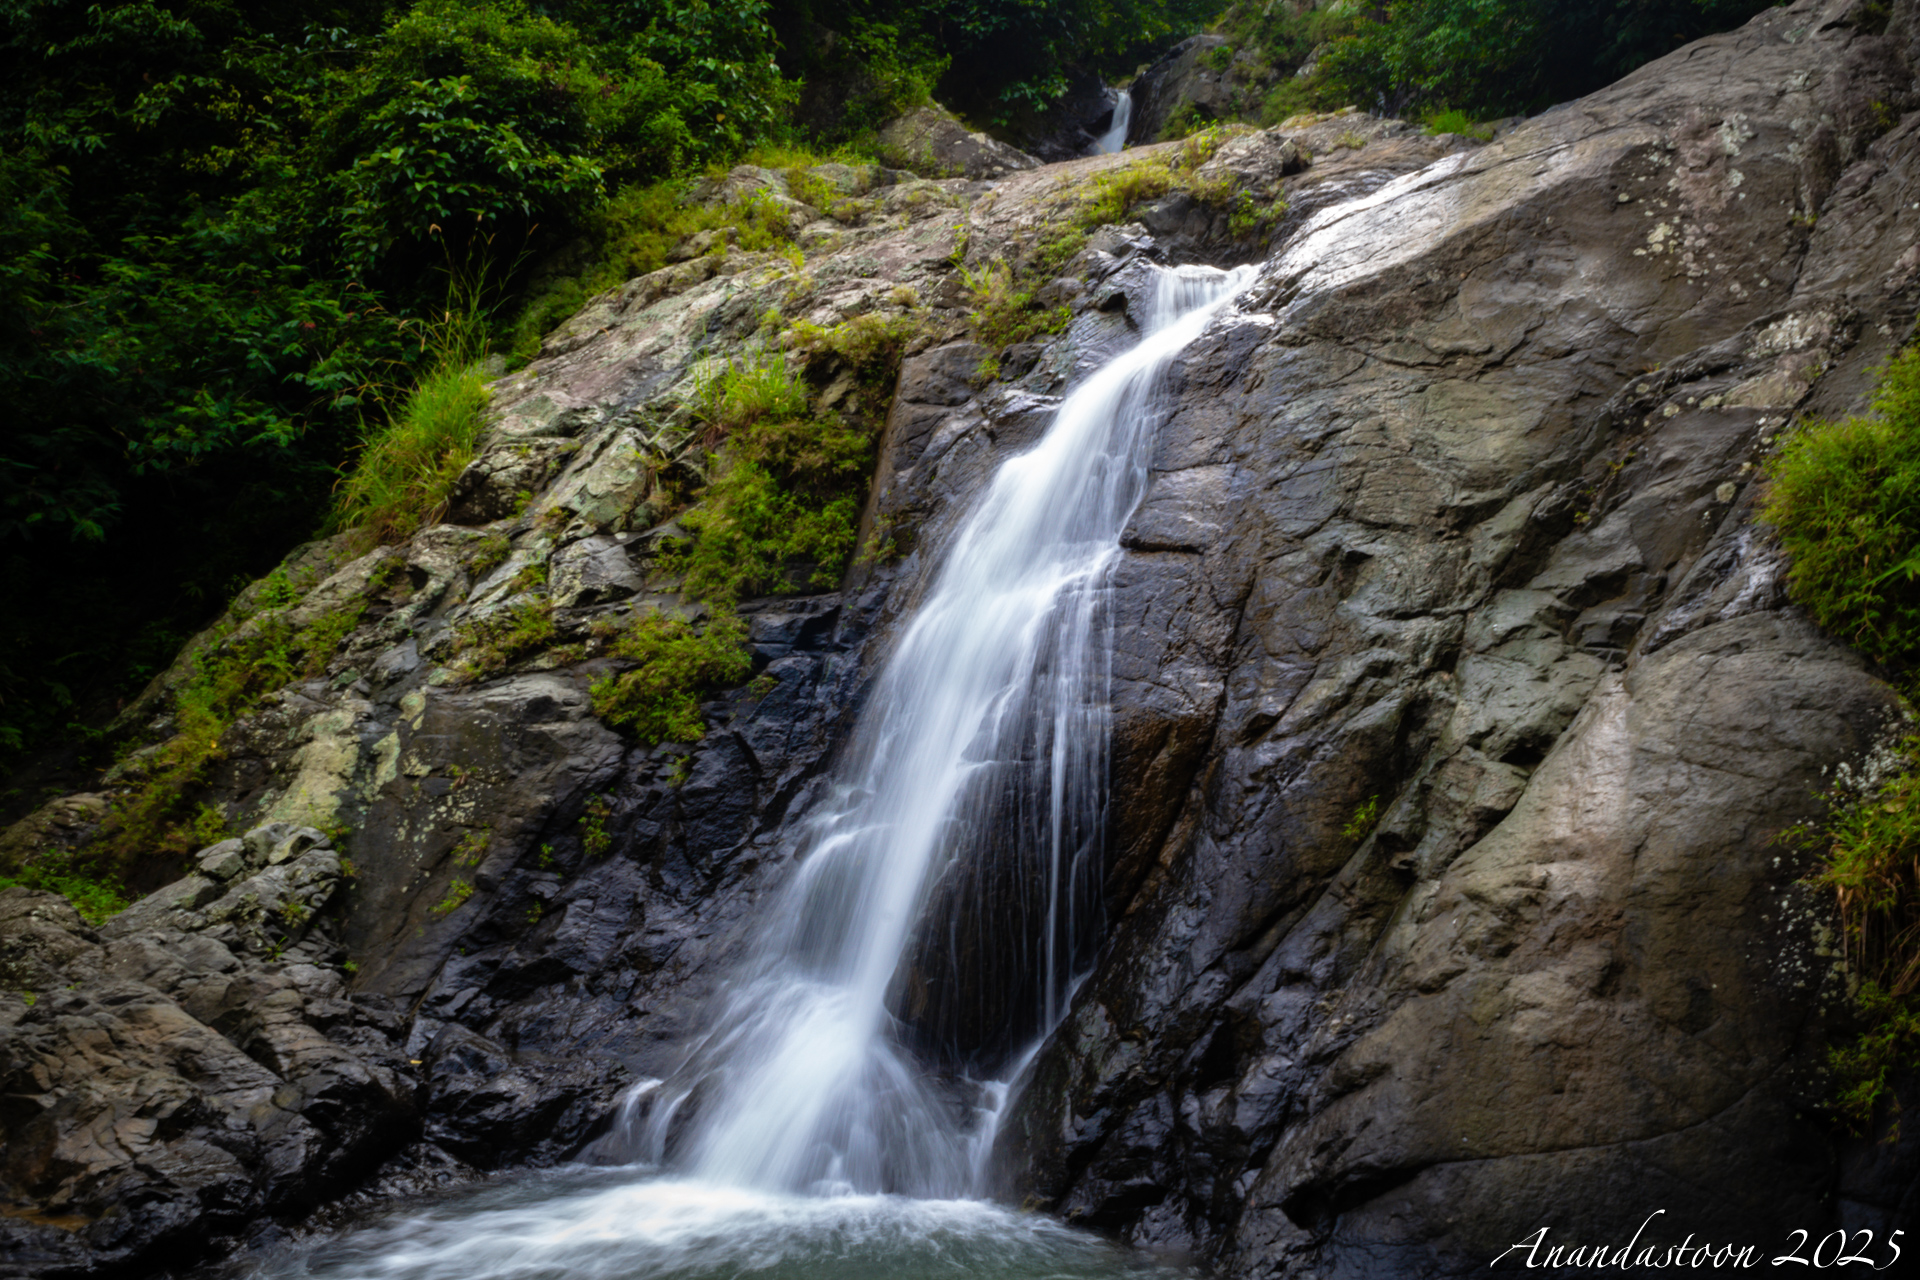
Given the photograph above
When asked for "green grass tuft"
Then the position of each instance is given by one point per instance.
(1439, 122)
(407, 468)
(1845, 498)
(785, 489)
(491, 644)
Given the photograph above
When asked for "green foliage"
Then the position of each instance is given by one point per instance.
(220, 230)
(1498, 57)
(472, 848)
(408, 465)
(456, 897)
(1870, 849)
(595, 839)
(1439, 122)
(94, 894)
(785, 489)
(1361, 824)
(489, 554)
(225, 231)
(871, 344)
(1845, 497)
(1864, 1067)
(491, 644)
(1251, 217)
(1004, 309)
(659, 699)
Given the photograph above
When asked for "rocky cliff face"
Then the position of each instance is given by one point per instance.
(1455, 517)
(1462, 519)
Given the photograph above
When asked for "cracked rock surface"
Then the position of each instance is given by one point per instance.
(1461, 516)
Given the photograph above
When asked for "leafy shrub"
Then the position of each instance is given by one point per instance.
(1364, 818)
(1870, 849)
(94, 895)
(479, 113)
(595, 839)
(659, 699)
(1845, 497)
(1499, 57)
(458, 892)
(786, 486)
(1251, 216)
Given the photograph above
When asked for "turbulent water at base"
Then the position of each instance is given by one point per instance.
(607, 1224)
(808, 1138)
(1115, 138)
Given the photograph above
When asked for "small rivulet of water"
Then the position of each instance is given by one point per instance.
(806, 1134)
(1115, 138)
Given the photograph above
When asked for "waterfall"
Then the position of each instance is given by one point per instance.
(996, 687)
(1115, 138)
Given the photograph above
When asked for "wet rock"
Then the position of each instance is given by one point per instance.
(488, 1108)
(1455, 701)
(1459, 703)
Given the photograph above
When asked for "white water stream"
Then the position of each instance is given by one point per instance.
(811, 1140)
(1115, 138)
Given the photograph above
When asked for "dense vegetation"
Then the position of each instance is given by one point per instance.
(1845, 498)
(253, 252)
(233, 235)
(1423, 59)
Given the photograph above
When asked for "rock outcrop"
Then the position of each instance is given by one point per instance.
(1200, 80)
(192, 1065)
(1457, 704)
(1461, 518)
(932, 140)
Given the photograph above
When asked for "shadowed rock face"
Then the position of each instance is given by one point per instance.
(1462, 519)
(192, 1065)
(1456, 515)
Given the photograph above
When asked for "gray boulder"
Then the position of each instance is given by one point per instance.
(931, 141)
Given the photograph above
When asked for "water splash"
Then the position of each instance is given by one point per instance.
(997, 687)
(609, 1225)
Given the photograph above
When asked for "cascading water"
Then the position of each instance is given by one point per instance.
(999, 680)
(1115, 138)
(984, 740)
